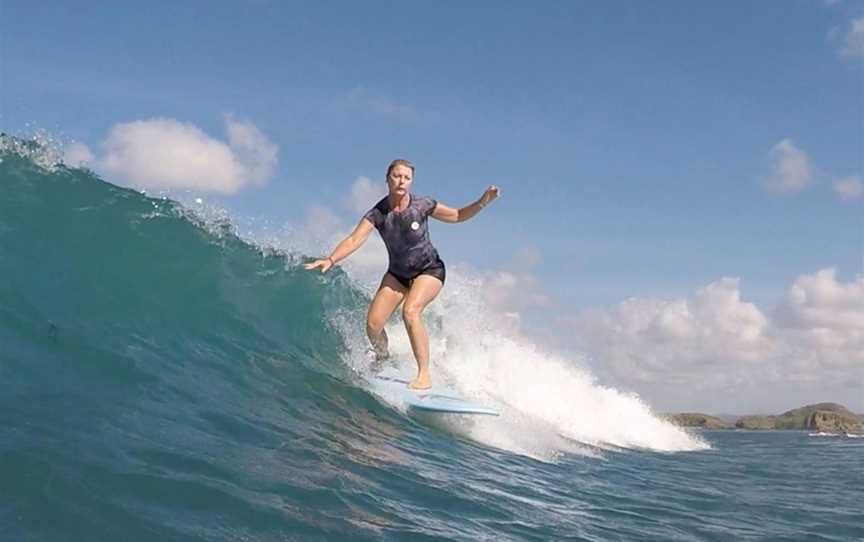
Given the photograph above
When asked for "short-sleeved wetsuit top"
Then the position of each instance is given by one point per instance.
(406, 236)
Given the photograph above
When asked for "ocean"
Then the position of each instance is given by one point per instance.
(165, 377)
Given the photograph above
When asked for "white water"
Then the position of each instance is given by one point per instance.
(549, 405)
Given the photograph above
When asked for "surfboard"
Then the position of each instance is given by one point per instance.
(436, 399)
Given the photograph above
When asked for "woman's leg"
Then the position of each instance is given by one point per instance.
(423, 290)
(390, 294)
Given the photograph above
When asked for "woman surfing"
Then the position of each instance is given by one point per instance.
(416, 273)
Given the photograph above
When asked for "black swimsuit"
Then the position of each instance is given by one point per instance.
(406, 236)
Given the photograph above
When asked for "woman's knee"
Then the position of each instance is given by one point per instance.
(374, 324)
(411, 313)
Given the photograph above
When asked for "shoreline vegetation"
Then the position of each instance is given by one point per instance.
(821, 418)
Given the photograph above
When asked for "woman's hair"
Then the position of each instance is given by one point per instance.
(399, 162)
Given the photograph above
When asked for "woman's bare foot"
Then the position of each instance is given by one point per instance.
(382, 355)
(422, 382)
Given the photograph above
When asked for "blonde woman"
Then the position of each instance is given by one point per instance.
(416, 273)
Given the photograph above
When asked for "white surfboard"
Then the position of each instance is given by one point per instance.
(438, 399)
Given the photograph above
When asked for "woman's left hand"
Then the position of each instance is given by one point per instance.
(489, 195)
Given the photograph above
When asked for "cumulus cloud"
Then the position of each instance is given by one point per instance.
(252, 149)
(515, 288)
(167, 154)
(849, 188)
(363, 194)
(820, 301)
(321, 222)
(851, 39)
(648, 339)
(512, 293)
(77, 155)
(790, 169)
(714, 341)
(323, 229)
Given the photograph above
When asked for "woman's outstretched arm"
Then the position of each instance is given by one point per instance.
(345, 247)
(448, 214)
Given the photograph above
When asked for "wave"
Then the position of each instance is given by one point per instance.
(140, 306)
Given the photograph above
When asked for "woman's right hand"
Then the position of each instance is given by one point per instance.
(324, 264)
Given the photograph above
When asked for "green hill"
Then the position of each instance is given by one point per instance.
(696, 419)
(824, 417)
(827, 417)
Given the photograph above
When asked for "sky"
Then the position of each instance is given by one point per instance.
(682, 194)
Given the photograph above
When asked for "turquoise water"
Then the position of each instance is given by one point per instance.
(165, 380)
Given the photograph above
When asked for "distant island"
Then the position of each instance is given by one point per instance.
(821, 417)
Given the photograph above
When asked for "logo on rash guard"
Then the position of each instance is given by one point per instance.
(415, 225)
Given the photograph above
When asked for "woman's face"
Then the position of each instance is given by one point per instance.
(399, 180)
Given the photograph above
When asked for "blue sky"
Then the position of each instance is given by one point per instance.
(631, 139)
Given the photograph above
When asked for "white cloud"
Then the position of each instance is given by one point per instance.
(647, 339)
(321, 222)
(849, 188)
(364, 193)
(790, 169)
(77, 155)
(167, 154)
(852, 45)
(515, 288)
(323, 229)
(713, 342)
(252, 148)
(326, 230)
(360, 98)
(510, 292)
(820, 301)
